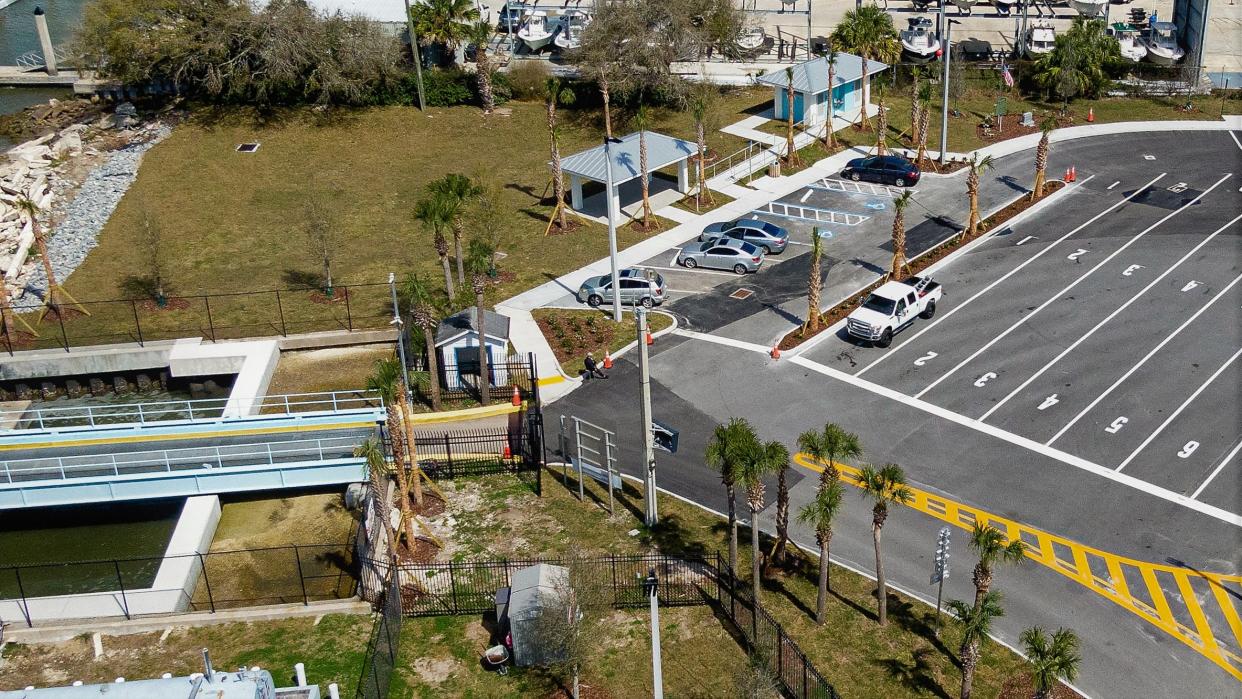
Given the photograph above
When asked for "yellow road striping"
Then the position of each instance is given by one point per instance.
(549, 380)
(186, 436)
(1042, 547)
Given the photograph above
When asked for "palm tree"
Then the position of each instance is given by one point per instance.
(700, 105)
(757, 462)
(642, 120)
(881, 132)
(819, 514)
(976, 623)
(725, 451)
(480, 34)
(990, 545)
(921, 128)
(830, 138)
(899, 235)
(814, 283)
(828, 447)
(1041, 157)
(425, 313)
(791, 155)
(52, 300)
(1051, 659)
(377, 472)
(436, 212)
(457, 191)
(448, 23)
(776, 557)
(555, 93)
(916, 106)
(884, 485)
(480, 262)
(386, 380)
(868, 31)
(976, 168)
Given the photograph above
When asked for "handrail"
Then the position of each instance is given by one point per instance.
(183, 459)
(192, 410)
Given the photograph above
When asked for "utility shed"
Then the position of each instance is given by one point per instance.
(533, 589)
(457, 343)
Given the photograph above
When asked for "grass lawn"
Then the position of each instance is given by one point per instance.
(324, 370)
(499, 517)
(332, 650)
(574, 333)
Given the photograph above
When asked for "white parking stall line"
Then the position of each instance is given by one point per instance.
(831, 184)
(811, 213)
(1179, 410)
(1149, 355)
(673, 260)
(1216, 471)
(692, 271)
(1007, 275)
(1058, 295)
(805, 196)
(795, 242)
(1085, 336)
(1234, 136)
(683, 291)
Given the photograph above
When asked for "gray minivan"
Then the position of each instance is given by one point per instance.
(638, 286)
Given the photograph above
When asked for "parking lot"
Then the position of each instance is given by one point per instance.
(1110, 331)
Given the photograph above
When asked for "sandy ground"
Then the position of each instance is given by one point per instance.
(317, 518)
(332, 369)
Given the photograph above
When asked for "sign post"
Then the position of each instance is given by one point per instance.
(941, 570)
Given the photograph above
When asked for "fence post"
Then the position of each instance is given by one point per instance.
(280, 309)
(121, 583)
(211, 326)
(21, 590)
(133, 306)
(301, 578)
(453, 586)
(211, 601)
(349, 316)
(448, 455)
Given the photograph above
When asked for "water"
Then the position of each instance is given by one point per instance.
(17, 36)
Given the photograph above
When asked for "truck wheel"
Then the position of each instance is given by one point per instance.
(594, 300)
(929, 311)
(885, 340)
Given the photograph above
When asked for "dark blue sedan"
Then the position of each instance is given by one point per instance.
(885, 169)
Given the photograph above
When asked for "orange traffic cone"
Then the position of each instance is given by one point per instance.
(607, 359)
(508, 452)
(1090, 114)
(650, 338)
(1073, 174)
(1067, 175)
(775, 353)
(517, 397)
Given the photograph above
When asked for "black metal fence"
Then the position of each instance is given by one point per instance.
(151, 586)
(459, 377)
(213, 316)
(384, 646)
(516, 448)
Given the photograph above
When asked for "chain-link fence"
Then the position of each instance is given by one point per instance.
(385, 645)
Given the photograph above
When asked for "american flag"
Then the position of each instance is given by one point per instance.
(1008, 77)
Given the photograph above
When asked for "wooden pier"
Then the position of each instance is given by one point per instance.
(82, 84)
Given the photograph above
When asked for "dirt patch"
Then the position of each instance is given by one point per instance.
(423, 551)
(251, 523)
(171, 303)
(432, 505)
(338, 296)
(434, 671)
(330, 369)
(1021, 687)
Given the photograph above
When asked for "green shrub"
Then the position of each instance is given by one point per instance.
(526, 79)
(446, 88)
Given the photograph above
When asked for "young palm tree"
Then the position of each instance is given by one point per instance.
(642, 120)
(976, 623)
(436, 212)
(386, 380)
(377, 472)
(830, 138)
(814, 283)
(777, 555)
(916, 106)
(868, 31)
(757, 462)
(1041, 157)
(52, 301)
(819, 515)
(6, 308)
(1051, 659)
(791, 155)
(881, 131)
(700, 105)
(883, 485)
(425, 313)
(976, 168)
(921, 128)
(990, 545)
(457, 191)
(555, 93)
(448, 23)
(728, 446)
(480, 34)
(480, 262)
(827, 447)
(899, 235)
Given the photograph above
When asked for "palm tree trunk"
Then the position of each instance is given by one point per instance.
(433, 367)
(790, 154)
(814, 287)
(644, 178)
(732, 493)
(411, 446)
(821, 597)
(830, 138)
(881, 587)
(701, 138)
(606, 92)
(970, 653)
(53, 289)
(485, 80)
(982, 577)
(776, 557)
(558, 184)
(754, 553)
(485, 382)
(448, 276)
(864, 120)
(400, 455)
(461, 263)
(899, 245)
(974, 212)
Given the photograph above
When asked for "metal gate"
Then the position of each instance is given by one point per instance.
(592, 451)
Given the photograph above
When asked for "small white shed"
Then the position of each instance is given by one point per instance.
(457, 348)
(531, 590)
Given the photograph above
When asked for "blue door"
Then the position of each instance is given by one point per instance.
(798, 106)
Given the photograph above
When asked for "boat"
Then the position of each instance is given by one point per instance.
(536, 31)
(1161, 44)
(1004, 8)
(919, 42)
(1128, 37)
(964, 5)
(751, 39)
(510, 16)
(1089, 8)
(1040, 39)
(569, 35)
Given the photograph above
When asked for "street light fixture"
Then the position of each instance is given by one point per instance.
(612, 230)
(944, 111)
(399, 324)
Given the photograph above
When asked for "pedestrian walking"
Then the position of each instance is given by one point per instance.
(592, 367)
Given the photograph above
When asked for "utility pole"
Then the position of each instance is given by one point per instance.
(941, 571)
(651, 585)
(944, 111)
(612, 231)
(649, 477)
(418, 60)
(400, 326)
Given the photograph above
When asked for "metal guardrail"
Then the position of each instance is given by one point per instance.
(171, 460)
(205, 409)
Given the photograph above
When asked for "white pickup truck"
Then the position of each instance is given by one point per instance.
(892, 307)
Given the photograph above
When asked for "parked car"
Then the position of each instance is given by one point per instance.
(638, 286)
(768, 237)
(886, 169)
(725, 253)
(892, 307)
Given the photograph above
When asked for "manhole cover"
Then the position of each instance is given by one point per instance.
(742, 294)
(247, 147)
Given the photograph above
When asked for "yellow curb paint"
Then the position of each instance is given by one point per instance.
(190, 436)
(549, 380)
(466, 414)
(1044, 550)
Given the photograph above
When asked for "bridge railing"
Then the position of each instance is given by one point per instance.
(204, 409)
(175, 460)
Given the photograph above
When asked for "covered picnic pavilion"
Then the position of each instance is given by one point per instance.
(662, 152)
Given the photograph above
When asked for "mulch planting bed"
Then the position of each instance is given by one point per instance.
(171, 303)
(432, 505)
(424, 551)
(841, 310)
(338, 296)
(571, 336)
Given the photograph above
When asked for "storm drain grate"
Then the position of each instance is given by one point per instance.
(247, 147)
(742, 294)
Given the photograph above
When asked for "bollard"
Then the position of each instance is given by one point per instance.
(300, 671)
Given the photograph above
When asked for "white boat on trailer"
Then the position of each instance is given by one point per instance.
(1089, 8)
(1161, 44)
(1127, 37)
(919, 42)
(572, 24)
(1004, 8)
(964, 5)
(1040, 39)
(536, 31)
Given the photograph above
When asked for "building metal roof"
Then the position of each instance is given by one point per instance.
(462, 323)
(662, 151)
(812, 76)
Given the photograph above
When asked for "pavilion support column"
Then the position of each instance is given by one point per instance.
(683, 177)
(614, 202)
(575, 192)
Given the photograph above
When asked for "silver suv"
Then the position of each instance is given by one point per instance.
(644, 286)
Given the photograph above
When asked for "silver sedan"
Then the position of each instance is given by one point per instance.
(724, 253)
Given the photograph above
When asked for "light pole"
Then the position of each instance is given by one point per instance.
(612, 230)
(941, 571)
(649, 476)
(651, 584)
(400, 325)
(418, 60)
(944, 111)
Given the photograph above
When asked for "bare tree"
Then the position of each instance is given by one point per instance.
(321, 237)
(701, 100)
(563, 632)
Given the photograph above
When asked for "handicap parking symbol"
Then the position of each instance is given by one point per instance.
(876, 205)
(823, 233)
